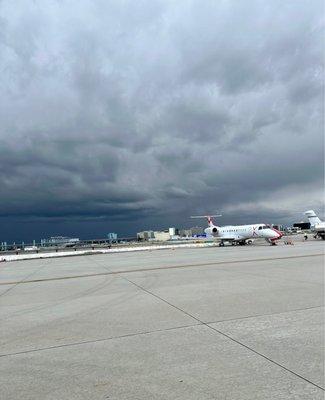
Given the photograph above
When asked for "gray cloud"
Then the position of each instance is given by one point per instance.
(142, 113)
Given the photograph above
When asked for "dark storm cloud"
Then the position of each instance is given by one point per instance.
(149, 109)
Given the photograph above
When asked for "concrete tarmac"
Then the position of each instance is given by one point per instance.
(203, 323)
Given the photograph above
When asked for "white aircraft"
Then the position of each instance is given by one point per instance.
(317, 226)
(240, 234)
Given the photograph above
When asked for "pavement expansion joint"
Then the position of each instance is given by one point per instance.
(265, 315)
(227, 336)
(24, 280)
(84, 342)
(265, 357)
(130, 271)
(282, 353)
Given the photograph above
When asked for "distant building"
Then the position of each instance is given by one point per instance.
(197, 230)
(170, 234)
(194, 231)
(145, 235)
(175, 237)
(302, 225)
(162, 236)
(112, 237)
(185, 232)
(59, 241)
(172, 231)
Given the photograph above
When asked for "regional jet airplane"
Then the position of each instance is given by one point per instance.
(240, 234)
(317, 226)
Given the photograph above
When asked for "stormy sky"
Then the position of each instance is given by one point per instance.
(127, 115)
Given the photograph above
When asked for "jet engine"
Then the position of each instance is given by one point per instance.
(213, 230)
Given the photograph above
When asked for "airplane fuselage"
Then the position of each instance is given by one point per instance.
(319, 230)
(316, 225)
(240, 233)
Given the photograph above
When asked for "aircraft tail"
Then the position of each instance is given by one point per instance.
(313, 219)
(208, 217)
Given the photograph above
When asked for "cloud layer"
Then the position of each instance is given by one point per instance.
(142, 113)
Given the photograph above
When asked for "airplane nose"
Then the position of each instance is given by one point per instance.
(278, 233)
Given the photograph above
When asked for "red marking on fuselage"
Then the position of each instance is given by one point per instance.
(278, 234)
